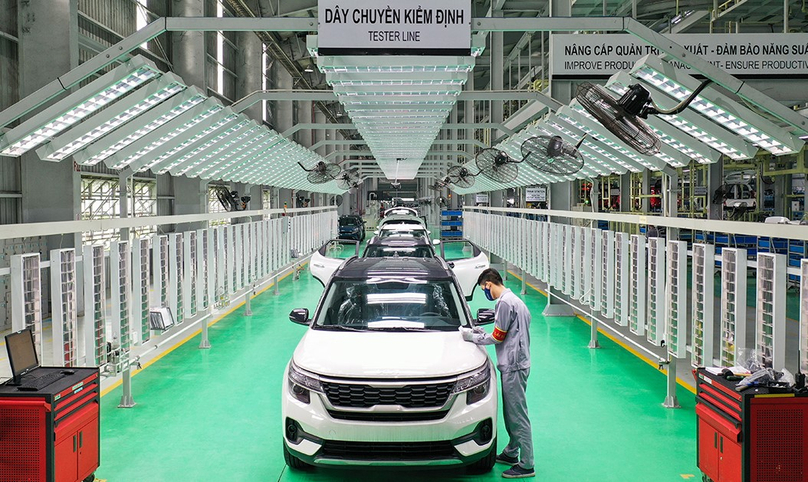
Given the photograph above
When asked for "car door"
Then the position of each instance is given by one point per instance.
(330, 256)
(467, 261)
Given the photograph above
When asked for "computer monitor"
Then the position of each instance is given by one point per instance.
(21, 353)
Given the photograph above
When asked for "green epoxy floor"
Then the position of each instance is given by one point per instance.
(214, 415)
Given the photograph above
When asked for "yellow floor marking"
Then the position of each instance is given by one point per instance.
(688, 476)
(187, 338)
(639, 355)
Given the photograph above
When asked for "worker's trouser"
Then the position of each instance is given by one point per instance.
(517, 423)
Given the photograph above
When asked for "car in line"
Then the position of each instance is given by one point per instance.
(465, 258)
(352, 226)
(382, 376)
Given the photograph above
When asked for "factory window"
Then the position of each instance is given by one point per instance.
(100, 199)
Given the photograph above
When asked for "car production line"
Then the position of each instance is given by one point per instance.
(215, 414)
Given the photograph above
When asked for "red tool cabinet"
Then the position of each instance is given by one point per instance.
(51, 435)
(751, 436)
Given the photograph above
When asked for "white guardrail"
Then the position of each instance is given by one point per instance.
(110, 299)
(654, 292)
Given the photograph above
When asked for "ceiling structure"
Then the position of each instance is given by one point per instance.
(384, 97)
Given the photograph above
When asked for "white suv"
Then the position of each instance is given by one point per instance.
(383, 376)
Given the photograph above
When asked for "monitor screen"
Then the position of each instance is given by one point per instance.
(21, 352)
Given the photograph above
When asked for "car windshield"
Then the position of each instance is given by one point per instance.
(349, 222)
(386, 304)
(386, 233)
(401, 251)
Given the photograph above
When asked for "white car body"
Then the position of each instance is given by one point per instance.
(331, 426)
(401, 210)
(467, 270)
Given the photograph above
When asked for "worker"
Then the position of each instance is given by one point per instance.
(512, 339)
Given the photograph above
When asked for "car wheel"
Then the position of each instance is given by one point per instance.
(294, 462)
(485, 464)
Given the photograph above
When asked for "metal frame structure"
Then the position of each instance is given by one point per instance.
(733, 305)
(770, 312)
(703, 292)
(64, 307)
(676, 299)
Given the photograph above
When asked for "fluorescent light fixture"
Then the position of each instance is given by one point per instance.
(188, 120)
(718, 108)
(101, 124)
(195, 157)
(77, 106)
(152, 120)
(690, 121)
(226, 146)
(192, 139)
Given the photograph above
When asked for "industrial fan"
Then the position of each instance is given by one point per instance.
(230, 200)
(497, 165)
(336, 200)
(461, 177)
(438, 185)
(552, 155)
(322, 172)
(348, 179)
(623, 116)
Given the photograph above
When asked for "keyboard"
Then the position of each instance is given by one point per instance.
(39, 383)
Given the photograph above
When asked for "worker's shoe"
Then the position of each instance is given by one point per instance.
(504, 458)
(517, 472)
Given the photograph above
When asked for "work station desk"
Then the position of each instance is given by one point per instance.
(757, 435)
(51, 435)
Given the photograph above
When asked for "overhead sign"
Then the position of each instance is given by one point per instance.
(536, 194)
(411, 27)
(481, 198)
(778, 55)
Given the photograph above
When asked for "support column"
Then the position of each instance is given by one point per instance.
(319, 134)
(188, 48)
(715, 178)
(283, 113)
(497, 77)
(48, 47)
(249, 70)
(625, 192)
(304, 137)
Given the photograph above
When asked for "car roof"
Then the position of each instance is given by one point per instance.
(399, 241)
(401, 217)
(402, 227)
(419, 268)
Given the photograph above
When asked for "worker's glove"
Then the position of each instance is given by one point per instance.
(467, 333)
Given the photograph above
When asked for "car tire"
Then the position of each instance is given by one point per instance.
(485, 464)
(294, 462)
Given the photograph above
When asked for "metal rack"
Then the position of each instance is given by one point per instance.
(201, 269)
(676, 299)
(26, 296)
(586, 266)
(544, 269)
(141, 330)
(566, 272)
(596, 253)
(64, 311)
(555, 259)
(220, 244)
(577, 262)
(622, 289)
(232, 259)
(770, 319)
(160, 268)
(638, 288)
(94, 322)
(655, 332)
(733, 304)
(238, 259)
(703, 333)
(119, 257)
(190, 277)
(607, 284)
(175, 277)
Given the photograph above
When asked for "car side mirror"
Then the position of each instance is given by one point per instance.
(485, 316)
(376, 232)
(300, 316)
(436, 242)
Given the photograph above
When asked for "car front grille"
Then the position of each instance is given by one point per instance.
(410, 396)
(387, 450)
(388, 417)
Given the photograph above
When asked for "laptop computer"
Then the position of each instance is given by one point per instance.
(23, 359)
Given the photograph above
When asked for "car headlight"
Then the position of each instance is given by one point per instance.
(476, 383)
(301, 382)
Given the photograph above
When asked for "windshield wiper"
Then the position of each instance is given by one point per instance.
(399, 328)
(339, 327)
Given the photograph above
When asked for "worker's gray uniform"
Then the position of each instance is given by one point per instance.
(513, 360)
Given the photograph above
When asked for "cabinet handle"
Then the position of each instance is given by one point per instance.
(74, 443)
(81, 440)
(715, 440)
(722, 445)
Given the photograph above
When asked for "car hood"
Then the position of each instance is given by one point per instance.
(387, 354)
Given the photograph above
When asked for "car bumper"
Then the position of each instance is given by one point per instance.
(355, 236)
(452, 440)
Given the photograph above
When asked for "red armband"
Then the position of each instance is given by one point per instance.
(498, 334)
